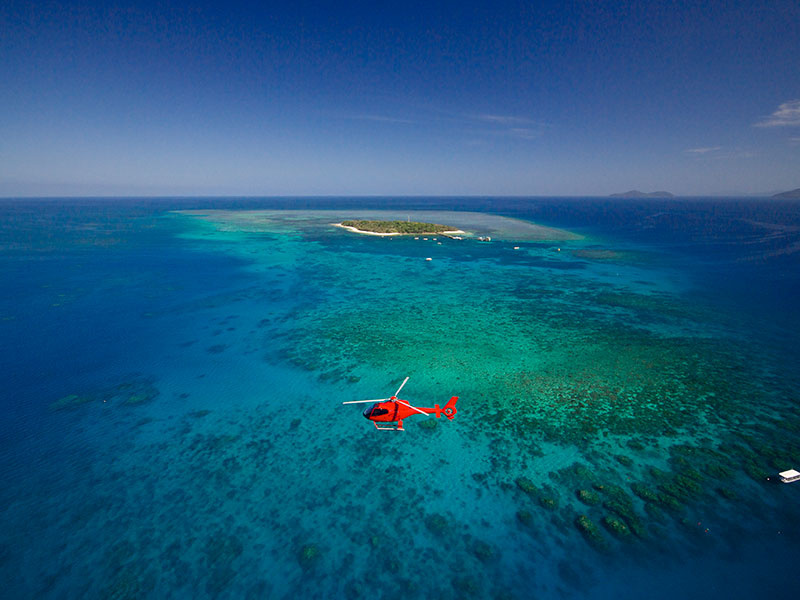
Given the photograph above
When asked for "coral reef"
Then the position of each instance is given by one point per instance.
(483, 551)
(727, 493)
(591, 533)
(308, 556)
(644, 492)
(134, 390)
(527, 486)
(625, 461)
(617, 528)
(436, 524)
(71, 401)
(128, 583)
(525, 517)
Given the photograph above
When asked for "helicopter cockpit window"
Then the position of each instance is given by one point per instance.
(374, 411)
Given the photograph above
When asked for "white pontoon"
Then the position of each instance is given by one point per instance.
(789, 476)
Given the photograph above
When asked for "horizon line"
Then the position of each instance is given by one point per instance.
(615, 196)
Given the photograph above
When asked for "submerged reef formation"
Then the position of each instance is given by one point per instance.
(645, 386)
(308, 556)
(133, 390)
(591, 532)
(601, 412)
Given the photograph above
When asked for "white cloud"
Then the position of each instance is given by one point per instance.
(718, 153)
(703, 150)
(521, 128)
(787, 115)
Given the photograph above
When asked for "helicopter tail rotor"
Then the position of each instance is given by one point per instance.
(449, 409)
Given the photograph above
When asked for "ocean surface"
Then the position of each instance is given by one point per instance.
(172, 373)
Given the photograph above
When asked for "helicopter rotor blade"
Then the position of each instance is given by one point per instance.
(404, 403)
(400, 388)
(362, 401)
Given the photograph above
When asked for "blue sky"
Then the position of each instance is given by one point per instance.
(494, 98)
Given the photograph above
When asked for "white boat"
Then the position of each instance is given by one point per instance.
(789, 476)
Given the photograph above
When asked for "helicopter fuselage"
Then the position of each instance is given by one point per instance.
(395, 410)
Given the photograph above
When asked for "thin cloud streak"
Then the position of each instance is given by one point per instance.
(718, 153)
(703, 150)
(506, 120)
(522, 128)
(787, 115)
(509, 126)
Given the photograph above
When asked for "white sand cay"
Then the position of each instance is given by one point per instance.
(355, 230)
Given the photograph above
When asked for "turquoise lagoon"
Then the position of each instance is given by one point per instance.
(173, 372)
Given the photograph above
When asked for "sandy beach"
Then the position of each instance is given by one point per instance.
(355, 230)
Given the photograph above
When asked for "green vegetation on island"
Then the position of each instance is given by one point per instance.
(407, 227)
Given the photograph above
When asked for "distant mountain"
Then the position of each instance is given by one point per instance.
(638, 194)
(790, 194)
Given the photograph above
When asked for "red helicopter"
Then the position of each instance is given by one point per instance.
(391, 410)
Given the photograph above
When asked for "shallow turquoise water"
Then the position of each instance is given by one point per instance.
(173, 386)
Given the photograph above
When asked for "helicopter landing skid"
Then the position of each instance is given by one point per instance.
(398, 428)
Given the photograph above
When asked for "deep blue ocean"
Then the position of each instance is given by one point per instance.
(172, 373)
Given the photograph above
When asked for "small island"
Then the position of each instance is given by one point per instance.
(397, 227)
(638, 194)
(790, 195)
